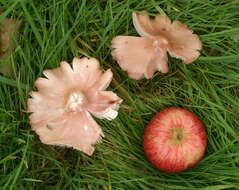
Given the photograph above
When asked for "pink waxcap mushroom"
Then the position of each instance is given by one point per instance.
(182, 43)
(140, 56)
(60, 109)
(143, 56)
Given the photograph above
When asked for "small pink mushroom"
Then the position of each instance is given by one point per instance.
(143, 56)
(62, 105)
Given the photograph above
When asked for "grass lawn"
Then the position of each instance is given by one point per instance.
(57, 30)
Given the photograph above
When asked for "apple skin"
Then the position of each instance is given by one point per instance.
(174, 140)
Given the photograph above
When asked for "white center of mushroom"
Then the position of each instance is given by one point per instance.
(159, 44)
(156, 46)
(75, 102)
(164, 41)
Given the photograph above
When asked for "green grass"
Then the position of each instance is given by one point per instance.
(57, 30)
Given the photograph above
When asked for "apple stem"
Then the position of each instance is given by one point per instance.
(177, 135)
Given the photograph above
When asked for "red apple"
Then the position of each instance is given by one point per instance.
(174, 140)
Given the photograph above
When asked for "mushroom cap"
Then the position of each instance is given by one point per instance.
(140, 56)
(147, 27)
(182, 42)
(60, 109)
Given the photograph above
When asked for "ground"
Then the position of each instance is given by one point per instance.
(53, 31)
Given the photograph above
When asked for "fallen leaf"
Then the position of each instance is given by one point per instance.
(9, 29)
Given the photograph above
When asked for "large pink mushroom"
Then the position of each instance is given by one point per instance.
(62, 107)
(143, 56)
